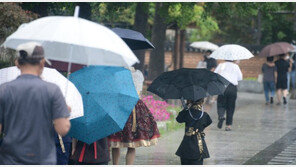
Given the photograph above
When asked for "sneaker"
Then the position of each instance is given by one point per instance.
(271, 100)
(227, 129)
(285, 100)
(220, 123)
(278, 103)
(266, 103)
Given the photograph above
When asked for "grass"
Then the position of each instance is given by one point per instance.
(251, 79)
(172, 124)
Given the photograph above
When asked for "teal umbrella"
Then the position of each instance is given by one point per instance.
(109, 97)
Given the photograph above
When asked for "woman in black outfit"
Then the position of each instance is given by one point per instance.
(283, 67)
(193, 149)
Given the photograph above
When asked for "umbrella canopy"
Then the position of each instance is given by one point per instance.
(276, 49)
(72, 97)
(190, 84)
(231, 52)
(109, 97)
(134, 39)
(75, 40)
(204, 45)
(63, 66)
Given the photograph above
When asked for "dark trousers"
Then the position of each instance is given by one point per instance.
(63, 158)
(191, 161)
(226, 102)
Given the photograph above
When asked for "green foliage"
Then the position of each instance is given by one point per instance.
(111, 13)
(238, 21)
(11, 17)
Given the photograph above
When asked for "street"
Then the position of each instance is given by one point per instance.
(260, 135)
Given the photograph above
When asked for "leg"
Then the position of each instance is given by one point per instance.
(266, 91)
(288, 80)
(279, 95)
(130, 156)
(272, 89)
(231, 106)
(199, 162)
(221, 110)
(115, 155)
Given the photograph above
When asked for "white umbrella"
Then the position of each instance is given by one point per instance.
(231, 52)
(204, 45)
(73, 97)
(75, 40)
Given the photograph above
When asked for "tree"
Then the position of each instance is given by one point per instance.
(156, 63)
(141, 25)
(12, 16)
(252, 22)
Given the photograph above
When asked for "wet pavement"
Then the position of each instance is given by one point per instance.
(260, 135)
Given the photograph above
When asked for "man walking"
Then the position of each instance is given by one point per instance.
(30, 110)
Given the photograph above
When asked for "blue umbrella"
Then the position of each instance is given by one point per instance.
(134, 39)
(109, 97)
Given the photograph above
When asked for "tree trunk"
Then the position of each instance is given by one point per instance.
(156, 63)
(140, 25)
(176, 48)
(182, 47)
(85, 10)
(294, 26)
(259, 34)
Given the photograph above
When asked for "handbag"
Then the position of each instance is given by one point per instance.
(260, 78)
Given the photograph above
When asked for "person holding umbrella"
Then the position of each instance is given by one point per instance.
(139, 131)
(231, 71)
(31, 110)
(283, 67)
(193, 149)
(192, 85)
(226, 102)
(269, 77)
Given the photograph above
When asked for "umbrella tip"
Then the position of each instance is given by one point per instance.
(76, 13)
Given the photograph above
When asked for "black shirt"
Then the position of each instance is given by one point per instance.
(282, 69)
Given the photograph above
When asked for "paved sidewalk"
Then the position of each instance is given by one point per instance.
(255, 127)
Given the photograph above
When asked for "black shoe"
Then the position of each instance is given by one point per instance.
(285, 100)
(220, 123)
(271, 100)
(227, 129)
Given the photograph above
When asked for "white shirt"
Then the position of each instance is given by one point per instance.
(138, 79)
(230, 71)
(201, 64)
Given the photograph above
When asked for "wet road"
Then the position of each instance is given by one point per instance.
(257, 129)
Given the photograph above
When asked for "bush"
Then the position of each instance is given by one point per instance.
(158, 108)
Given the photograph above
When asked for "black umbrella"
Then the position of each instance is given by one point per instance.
(190, 84)
(135, 40)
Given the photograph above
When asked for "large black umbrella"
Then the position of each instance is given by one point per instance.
(135, 40)
(190, 84)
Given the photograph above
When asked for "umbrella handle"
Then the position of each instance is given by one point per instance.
(62, 143)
